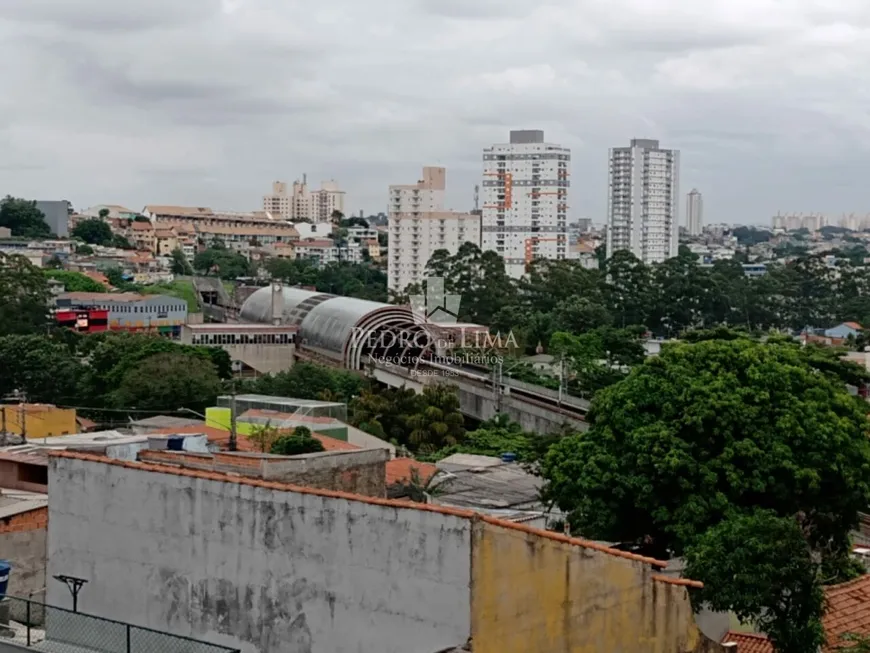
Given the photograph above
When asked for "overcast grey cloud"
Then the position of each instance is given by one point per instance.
(206, 102)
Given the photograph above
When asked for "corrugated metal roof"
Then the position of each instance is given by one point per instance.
(16, 502)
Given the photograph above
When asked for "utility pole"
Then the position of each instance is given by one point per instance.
(22, 408)
(233, 418)
(497, 376)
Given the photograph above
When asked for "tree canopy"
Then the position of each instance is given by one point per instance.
(713, 431)
(23, 218)
(422, 422)
(24, 296)
(167, 381)
(93, 231)
(349, 279)
(223, 262)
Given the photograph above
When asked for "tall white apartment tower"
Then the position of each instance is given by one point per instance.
(694, 212)
(643, 201)
(525, 200)
(419, 226)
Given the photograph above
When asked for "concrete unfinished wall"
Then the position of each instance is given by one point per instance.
(23, 543)
(358, 472)
(257, 567)
(533, 593)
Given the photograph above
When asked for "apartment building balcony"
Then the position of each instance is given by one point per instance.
(27, 625)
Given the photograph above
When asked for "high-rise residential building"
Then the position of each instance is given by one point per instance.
(419, 225)
(694, 212)
(525, 200)
(300, 204)
(643, 201)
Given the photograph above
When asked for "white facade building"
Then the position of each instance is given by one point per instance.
(643, 201)
(298, 203)
(694, 212)
(419, 226)
(525, 200)
(313, 229)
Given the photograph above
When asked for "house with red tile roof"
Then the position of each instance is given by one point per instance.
(847, 612)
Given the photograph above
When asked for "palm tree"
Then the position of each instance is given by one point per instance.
(439, 423)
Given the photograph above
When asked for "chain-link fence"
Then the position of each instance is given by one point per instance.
(47, 628)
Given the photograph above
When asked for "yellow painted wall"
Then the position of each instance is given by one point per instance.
(219, 418)
(534, 594)
(41, 422)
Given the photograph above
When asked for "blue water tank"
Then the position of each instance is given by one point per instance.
(175, 443)
(508, 457)
(5, 569)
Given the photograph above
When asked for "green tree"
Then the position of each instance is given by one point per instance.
(42, 367)
(84, 250)
(75, 281)
(121, 242)
(299, 442)
(600, 357)
(760, 567)
(24, 296)
(23, 218)
(116, 277)
(180, 264)
(713, 431)
(498, 436)
(437, 421)
(112, 355)
(222, 262)
(628, 289)
(309, 381)
(93, 231)
(166, 381)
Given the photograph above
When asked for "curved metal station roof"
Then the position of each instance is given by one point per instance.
(333, 326)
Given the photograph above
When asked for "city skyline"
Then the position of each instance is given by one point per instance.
(177, 103)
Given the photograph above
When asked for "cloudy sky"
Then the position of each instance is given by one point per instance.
(206, 102)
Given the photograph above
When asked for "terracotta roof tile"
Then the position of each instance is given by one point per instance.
(334, 444)
(749, 643)
(399, 469)
(848, 611)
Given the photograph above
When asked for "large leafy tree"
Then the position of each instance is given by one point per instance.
(24, 296)
(167, 381)
(598, 358)
(712, 431)
(45, 369)
(759, 566)
(23, 218)
(111, 356)
(222, 262)
(93, 231)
